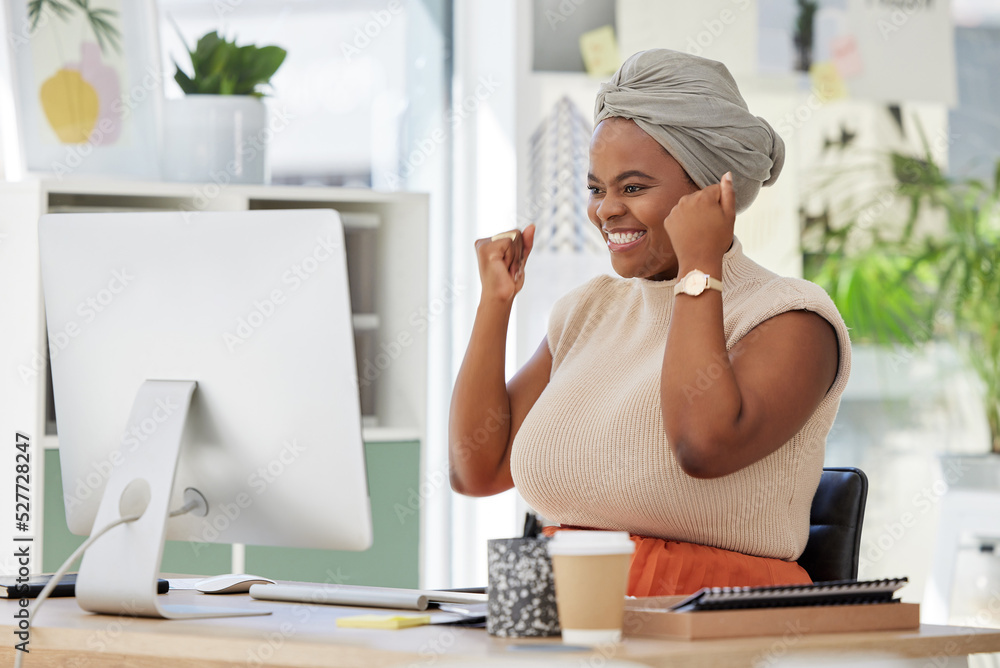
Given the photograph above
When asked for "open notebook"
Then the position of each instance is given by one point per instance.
(837, 592)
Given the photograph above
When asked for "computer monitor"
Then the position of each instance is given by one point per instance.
(203, 356)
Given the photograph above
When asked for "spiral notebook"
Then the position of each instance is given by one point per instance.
(837, 592)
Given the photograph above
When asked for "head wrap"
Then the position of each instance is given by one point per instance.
(693, 108)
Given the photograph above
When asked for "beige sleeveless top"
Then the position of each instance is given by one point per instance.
(592, 451)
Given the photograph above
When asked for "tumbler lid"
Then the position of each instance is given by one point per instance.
(580, 543)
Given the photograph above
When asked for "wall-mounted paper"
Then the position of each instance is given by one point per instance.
(724, 30)
(882, 50)
(907, 48)
(600, 51)
(557, 26)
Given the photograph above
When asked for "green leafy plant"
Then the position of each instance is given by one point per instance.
(100, 20)
(803, 35)
(896, 284)
(220, 67)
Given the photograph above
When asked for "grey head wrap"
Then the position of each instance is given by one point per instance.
(693, 108)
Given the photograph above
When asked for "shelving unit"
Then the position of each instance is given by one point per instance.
(386, 239)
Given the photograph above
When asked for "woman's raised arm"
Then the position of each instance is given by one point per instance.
(760, 393)
(486, 412)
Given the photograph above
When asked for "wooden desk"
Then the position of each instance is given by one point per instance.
(306, 635)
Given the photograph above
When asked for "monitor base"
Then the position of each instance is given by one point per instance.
(119, 571)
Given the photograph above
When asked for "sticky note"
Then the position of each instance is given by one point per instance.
(383, 621)
(827, 82)
(599, 49)
(846, 56)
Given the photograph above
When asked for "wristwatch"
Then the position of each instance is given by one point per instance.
(696, 282)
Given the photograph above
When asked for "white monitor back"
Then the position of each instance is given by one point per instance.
(255, 307)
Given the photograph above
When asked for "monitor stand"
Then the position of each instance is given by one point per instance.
(119, 571)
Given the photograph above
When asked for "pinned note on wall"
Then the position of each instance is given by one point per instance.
(599, 49)
(826, 82)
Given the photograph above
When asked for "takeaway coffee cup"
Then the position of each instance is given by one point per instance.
(591, 574)
(522, 596)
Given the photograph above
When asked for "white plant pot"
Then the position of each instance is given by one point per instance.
(215, 138)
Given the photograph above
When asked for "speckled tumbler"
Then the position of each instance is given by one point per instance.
(522, 594)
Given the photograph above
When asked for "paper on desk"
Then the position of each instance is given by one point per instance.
(464, 609)
(383, 621)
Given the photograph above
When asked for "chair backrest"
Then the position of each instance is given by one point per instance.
(838, 510)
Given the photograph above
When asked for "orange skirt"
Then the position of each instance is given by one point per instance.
(673, 568)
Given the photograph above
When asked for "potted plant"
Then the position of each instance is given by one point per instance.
(930, 273)
(218, 131)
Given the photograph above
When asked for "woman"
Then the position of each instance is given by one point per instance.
(687, 402)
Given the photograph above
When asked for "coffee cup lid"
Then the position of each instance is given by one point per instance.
(579, 543)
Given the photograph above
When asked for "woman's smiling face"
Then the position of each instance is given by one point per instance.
(634, 184)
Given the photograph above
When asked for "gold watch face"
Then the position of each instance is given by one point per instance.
(694, 284)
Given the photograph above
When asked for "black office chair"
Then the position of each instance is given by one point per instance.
(838, 510)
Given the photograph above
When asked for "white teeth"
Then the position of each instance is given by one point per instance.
(623, 237)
